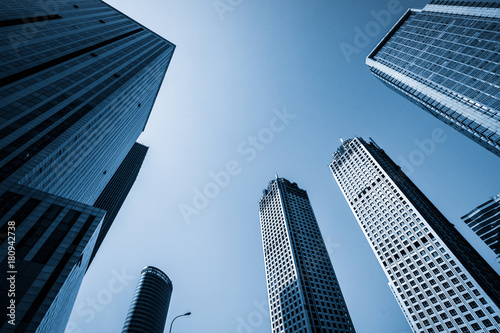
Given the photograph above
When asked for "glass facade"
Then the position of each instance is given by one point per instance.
(445, 59)
(75, 96)
(304, 294)
(484, 220)
(440, 282)
(149, 307)
(116, 191)
(77, 85)
(53, 241)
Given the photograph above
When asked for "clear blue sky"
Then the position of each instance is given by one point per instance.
(230, 70)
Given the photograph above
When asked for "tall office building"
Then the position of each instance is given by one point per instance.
(444, 58)
(117, 189)
(484, 220)
(77, 85)
(149, 307)
(304, 294)
(76, 93)
(440, 282)
(52, 239)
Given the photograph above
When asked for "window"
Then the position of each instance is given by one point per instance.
(480, 313)
(473, 304)
(487, 323)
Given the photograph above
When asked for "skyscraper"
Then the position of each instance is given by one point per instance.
(484, 220)
(444, 58)
(75, 94)
(149, 307)
(304, 294)
(77, 85)
(440, 282)
(117, 189)
(52, 239)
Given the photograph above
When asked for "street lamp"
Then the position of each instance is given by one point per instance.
(186, 314)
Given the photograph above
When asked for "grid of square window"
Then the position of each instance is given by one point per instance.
(304, 295)
(431, 284)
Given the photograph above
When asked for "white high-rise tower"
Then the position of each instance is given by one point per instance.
(440, 282)
(304, 294)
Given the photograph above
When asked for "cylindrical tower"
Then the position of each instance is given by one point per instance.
(149, 307)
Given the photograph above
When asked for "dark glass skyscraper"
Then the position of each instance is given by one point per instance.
(77, 84)
(75, 94)
(484, 220)
(304, 294)
(445, 59)
(116, 191)
(52, 241)
(439, 280)
(149, 307)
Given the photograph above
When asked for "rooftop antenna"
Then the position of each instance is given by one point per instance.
(276, 175)
(374, 143)
(341, 140)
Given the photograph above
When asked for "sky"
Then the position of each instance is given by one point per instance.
(257, 88)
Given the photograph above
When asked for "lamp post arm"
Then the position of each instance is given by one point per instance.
(172, 323)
